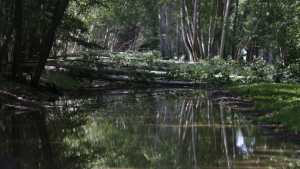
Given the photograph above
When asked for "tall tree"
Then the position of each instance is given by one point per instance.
(18, 24)
(163, 26)
(225, 23)
(190, 15)
(47, 44)
(234, 31)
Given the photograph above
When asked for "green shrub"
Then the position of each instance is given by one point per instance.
(215, 70)
(218, 70)
(295, 71)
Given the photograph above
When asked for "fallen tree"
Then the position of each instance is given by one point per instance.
(154, 81)
(127, 72)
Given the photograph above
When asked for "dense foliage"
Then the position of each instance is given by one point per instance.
(244, 30)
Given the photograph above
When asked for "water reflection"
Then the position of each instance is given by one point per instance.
(146, 129)
(25, 142)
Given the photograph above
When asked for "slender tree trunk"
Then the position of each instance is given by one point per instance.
(178, 39)
(4, 52)
(106, 38)
(163, 26)
(191, 32)
(18, 23)
(224, 29)
(4, 36)
(250, 52)
(212, 29)
(235, 25)
(34, 44)
(58, 13)
(184, 30)
(195, 30)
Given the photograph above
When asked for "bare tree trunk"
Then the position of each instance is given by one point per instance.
(250, 52)
(6, 7)
(224, 29)
(163, 26)
(235, 25)
(190, 30)
(4, 51)
(212, 29)
(184, 30)
(178, 39)
(195, 30)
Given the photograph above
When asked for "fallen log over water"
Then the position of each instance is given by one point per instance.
(154, 81)
(13, 102)
(128, 74)
(157, 73)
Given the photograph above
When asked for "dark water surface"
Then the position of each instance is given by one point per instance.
(159, 129)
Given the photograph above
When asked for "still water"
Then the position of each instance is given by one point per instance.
(145, 129)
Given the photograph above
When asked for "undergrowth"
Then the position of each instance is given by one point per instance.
(281, 102)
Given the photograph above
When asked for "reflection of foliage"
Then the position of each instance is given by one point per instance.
(118, 138)
(105, 145)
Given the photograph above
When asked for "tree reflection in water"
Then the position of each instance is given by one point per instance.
(25, 141)
(162, 129)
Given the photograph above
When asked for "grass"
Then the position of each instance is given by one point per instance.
(280, 101)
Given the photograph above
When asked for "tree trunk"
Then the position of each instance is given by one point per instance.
(212, 30)
(224, 29)
(163, 26)
(190, 30)
(184, 31)
(196, 39)
(58, 13)
(4, 53)
(18, 23)
(235, 26)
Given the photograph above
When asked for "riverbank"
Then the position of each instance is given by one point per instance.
(151, 69)
(277, 103)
